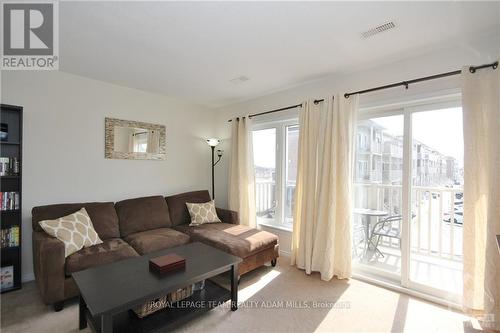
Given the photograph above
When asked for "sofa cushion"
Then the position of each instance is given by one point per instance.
(179, 213)
(102, 214)
(156, 239)
(109, 251)
(75, 231)
(239, 240)
(202, 213)
(141, 214)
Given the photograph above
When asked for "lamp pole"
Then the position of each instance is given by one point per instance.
(214, 143)
(213, 173)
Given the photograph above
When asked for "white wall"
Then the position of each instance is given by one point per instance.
(63, 143)
(484, 50)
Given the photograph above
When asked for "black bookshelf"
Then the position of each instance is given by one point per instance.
(11, 182)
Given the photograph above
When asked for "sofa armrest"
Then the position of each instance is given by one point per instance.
(48, 264)
(228, 216)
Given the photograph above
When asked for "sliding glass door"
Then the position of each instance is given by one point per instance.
(378, 195)
(408, 213)
(436, 200)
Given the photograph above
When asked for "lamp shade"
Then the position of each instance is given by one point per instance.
(213, 142)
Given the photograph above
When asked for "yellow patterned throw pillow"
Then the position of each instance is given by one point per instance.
(75, 231)
(202, 213)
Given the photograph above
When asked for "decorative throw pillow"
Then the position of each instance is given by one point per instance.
(202, 213)
(76, 231)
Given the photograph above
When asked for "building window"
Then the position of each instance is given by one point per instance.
(275, 149)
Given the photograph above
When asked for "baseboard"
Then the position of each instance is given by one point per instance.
(285, 254)
(27, 277)
(444, 302)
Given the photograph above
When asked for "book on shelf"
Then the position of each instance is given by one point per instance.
(9, 237)
(9, 200)
(6, 277)
(9, 166)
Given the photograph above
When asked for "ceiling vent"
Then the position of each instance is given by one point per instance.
(377, 30)
(239, 79)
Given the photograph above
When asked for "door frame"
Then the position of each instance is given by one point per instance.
(407, 109)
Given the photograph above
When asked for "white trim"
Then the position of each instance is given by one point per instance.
(280, 161)
(285, 254)
(407, 101)
(406, 198)
(441, 301)
(275, 122)
(282, 226)
(363, 269)
(447, 98)
(280, 167)
(368, 114)
(440, 105)
(439, 100)
(434, 292)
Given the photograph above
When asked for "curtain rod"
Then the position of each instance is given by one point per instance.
(316, 101)
(472, 69)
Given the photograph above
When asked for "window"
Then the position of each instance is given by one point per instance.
(140, 141)
(275, 149)
(264, 151)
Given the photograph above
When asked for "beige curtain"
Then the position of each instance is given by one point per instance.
(241, 172)
(321, 239)
(481, 112)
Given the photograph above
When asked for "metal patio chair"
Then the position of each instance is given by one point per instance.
(358, 237)
(386, 227)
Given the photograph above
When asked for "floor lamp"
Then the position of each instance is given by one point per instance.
(214, 143)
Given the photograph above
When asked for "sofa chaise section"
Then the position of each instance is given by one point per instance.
(255, 247)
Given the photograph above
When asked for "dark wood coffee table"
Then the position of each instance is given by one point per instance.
(108, 292)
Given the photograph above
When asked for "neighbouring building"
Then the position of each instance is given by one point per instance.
(379, 159)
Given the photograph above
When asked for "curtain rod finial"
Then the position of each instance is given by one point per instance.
(346, 95)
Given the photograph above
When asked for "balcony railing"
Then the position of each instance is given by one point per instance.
(265, 199)
(436, 226)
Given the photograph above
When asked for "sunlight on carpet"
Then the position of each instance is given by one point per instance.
(249, 291)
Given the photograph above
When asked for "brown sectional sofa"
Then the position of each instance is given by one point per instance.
(134, 227)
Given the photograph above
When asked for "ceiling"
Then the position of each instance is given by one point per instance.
(192, 50)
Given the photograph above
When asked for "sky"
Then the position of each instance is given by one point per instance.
(264, 148)
(440, 129)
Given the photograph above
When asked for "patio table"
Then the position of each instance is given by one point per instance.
(366, 215)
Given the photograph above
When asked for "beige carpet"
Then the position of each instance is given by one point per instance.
(280, 299)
